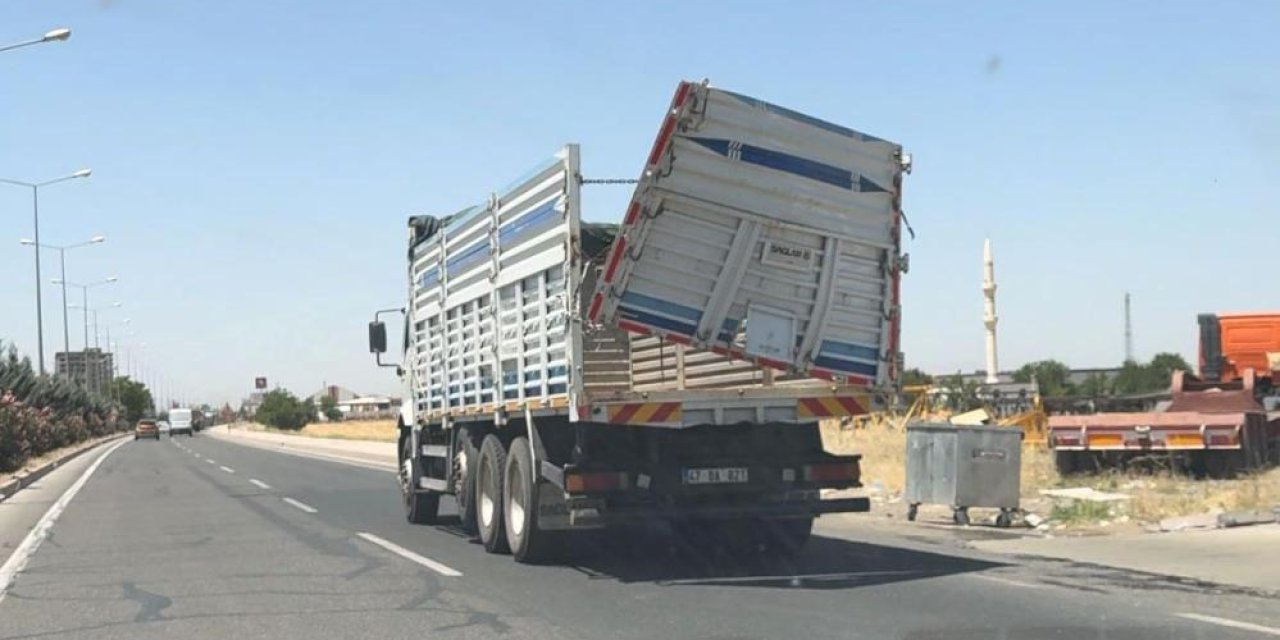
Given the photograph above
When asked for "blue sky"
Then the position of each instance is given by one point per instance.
(254, 161)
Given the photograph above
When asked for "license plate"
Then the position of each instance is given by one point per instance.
(722, 475)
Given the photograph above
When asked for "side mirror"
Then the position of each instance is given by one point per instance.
(377, 337)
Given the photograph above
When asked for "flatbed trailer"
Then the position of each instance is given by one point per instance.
(1214, 429)
(564, 375)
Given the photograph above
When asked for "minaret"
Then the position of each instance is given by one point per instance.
(989, 310)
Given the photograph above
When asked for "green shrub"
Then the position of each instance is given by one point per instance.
(41, 413)
(283, 410)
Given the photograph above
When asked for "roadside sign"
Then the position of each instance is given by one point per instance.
(260, 383)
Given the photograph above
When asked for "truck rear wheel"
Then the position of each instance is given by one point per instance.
(467, 457)
(420, 507)
(489, 506)
(528, 543)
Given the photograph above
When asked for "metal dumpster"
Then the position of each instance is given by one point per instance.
(964, 466)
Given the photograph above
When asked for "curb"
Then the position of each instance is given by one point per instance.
(11, 487)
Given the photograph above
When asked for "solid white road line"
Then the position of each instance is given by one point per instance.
(355, 462)
(1234, 624)
(437, 567)
(259, 484)
(301, 505)
(27, 548)
(227, 469)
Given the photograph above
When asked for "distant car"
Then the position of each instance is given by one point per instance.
(163, 426)
(146, 429)
(180, 422)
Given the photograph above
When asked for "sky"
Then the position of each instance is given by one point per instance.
(254, 162)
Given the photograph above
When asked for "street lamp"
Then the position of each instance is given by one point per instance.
(84, 299)
(62, 261)
(57, 35)
(112, 369)
(97, 358)
(35, 216)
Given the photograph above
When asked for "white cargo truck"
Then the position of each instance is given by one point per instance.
(562, 375)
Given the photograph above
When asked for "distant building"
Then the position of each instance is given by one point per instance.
(1078, 376)
(370, 407)
(1074, 376)
(94, 368)
(339, 394)
(249, 406)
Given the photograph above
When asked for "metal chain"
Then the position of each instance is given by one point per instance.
(582, 180)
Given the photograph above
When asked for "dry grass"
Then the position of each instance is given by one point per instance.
(883, 445)
(1153, 496)
(377, 430)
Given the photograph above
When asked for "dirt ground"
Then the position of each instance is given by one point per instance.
(377, 430)
(1153, 496)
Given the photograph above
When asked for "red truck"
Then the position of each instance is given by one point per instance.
(1215, 425)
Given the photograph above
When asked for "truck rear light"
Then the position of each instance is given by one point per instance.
(596, 482)
(1063, 441)
(1101, 440)
(1222, 441)
(831, 472)
(1184, 440)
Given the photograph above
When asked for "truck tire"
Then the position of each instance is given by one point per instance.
(466, 488)
(420, 507)
(528, 544)
(1067, 462)
(493, 461)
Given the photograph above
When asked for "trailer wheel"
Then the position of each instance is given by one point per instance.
(493, 460)
(520, 492)
(1067, 462)
(467, 459)
(420, 507)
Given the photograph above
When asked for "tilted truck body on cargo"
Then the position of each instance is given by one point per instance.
(563, 375)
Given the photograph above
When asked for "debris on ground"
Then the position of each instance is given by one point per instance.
(1245, 518)
(1199, 521)
(1084, 493)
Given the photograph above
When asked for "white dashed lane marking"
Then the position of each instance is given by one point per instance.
(259, 484)
(437, 567)
(301, 505)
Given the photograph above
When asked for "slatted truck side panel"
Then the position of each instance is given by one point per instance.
(536, 354)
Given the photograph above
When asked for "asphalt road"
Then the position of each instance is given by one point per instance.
(200, 538)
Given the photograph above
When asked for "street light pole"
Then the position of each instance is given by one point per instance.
(62, 262)
(35, 215)
(57, 35)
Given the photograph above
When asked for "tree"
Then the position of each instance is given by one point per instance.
(134, 396)
(329, 407)
(1094, 385)
(283, 410)
(961, 395)
(1153, 376)
(1051, 377)
(915, 377)
(1164, 364)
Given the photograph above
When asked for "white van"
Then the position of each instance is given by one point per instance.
(180, 422)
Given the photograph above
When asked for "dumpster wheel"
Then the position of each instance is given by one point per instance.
(1005, 519)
